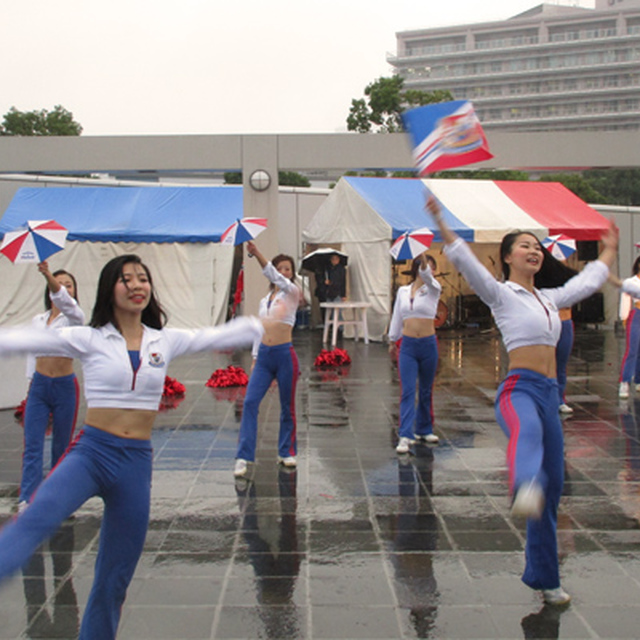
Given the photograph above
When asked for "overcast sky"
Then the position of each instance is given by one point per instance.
(207, 66)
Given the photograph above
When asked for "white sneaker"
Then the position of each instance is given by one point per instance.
(289, 461)
(429, 438)
(565, 408)
(22, 505)
(528, 501)
(623, 391)
(556, 597)
(404, 445)
(240, 470)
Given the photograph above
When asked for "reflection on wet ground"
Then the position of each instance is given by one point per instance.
(358, 542)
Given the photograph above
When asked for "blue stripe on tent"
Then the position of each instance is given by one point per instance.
(131, 214)
(400, 202)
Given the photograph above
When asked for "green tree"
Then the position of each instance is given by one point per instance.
(578, 184)
(293, 179)
(285, 178)
(380, 111)
(617, 186)
(58, 122)
(484, 174)
(232, 177)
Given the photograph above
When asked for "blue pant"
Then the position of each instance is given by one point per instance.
(97, 464)
(280, 363)
(535, 452)
(563, 351)
(57, 397)
(630, 361)
(417, 364)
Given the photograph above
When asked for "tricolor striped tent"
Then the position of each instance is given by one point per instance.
(365, 215)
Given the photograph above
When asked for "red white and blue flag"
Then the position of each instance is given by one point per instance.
(445, 135)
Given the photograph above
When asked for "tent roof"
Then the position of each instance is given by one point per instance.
(482, 210)
(107, 214)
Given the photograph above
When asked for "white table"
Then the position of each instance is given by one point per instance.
(334, 317)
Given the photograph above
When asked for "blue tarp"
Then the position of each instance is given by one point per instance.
(401, 202)
(131, 214)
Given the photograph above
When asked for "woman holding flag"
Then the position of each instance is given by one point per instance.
(535, 455)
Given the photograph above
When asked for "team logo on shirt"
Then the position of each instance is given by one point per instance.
(156, 360)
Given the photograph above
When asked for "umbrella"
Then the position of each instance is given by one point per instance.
(318, 260)
(35, 243)
(560, 246)
(243, 229)
(411, 244)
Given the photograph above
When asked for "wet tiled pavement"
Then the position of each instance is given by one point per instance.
(358, 542)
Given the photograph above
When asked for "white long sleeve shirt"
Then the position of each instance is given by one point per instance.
(525, 318)
(423, 305)
(71, 315)
(109, 378)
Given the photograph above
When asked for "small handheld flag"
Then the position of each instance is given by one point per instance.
(445, 135)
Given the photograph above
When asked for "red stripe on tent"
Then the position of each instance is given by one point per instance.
(554, 206)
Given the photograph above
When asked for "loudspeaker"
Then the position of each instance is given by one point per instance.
(590, 310)
(587, 249)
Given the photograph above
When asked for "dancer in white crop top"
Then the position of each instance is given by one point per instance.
(412, 325)
(274, 359)
(124, 354)
(526, 406)
(53, 386)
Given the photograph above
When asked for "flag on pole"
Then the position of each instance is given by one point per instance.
(445, 135)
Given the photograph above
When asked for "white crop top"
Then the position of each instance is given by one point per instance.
(423, 305)
(286, 300)
(109, 378)
(71, 315)
(525, 318)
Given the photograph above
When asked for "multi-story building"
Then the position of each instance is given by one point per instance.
(552, 67)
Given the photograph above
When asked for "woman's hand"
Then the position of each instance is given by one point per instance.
(610, 244)
(433, 207)
(52, 283)
(251, 248)
(393, 352)
(611, 237)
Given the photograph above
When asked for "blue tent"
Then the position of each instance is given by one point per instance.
(106, 214)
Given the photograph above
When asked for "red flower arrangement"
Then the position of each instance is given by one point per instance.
(18, 414)
(334, 358)
(172, 394)
(172, 388)
(229, 377)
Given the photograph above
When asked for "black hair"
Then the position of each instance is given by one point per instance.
(282, 257)
(636, 266)
(47, 291)
(552, 272)
(103, 311)
(417, 263)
